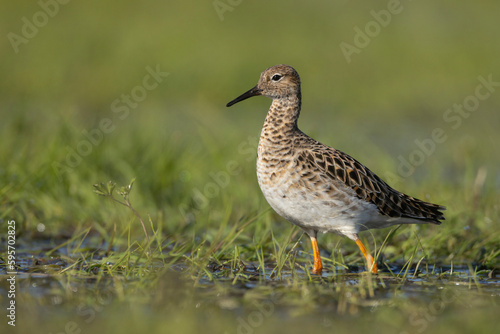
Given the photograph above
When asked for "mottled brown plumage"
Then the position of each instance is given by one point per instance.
(317, 187)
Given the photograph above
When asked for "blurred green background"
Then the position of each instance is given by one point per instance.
(61, 75)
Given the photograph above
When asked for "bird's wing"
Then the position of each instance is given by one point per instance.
(339, 166)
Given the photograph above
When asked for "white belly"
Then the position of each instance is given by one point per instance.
(313, 209)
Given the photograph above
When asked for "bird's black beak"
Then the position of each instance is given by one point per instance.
(252, 92)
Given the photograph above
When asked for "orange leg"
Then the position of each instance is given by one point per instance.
(318, 266)
(372, 265)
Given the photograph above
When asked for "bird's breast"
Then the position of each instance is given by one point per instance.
(304, 196)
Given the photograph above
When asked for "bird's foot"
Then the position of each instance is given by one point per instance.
(317, 268)
(372, 265)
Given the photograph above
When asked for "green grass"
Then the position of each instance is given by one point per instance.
(218, 258)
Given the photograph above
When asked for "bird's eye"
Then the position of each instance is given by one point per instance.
(276, 77)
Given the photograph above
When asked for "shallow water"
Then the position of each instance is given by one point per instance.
(40, 274)
(56, 286)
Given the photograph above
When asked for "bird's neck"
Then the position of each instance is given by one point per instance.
(282, 116)
(280, 127)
